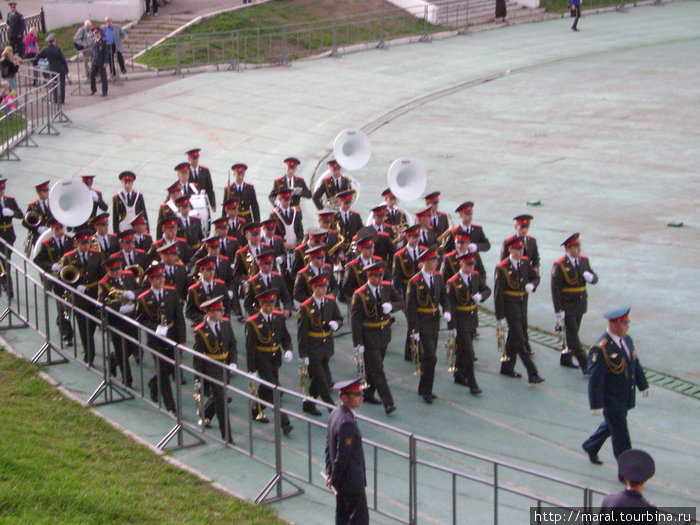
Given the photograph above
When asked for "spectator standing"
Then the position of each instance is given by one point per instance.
(8, 97)
(16, 27)
(114, 35)
(31, 48)
(576, 12)
(100, 57)
(501, 11)
(152, 7)
(83, 36)
(9, 65)
(57, 64)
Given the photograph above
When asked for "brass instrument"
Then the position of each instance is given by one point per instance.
(116, 295)
(258, 409)
(501, 343)
(32, 218)
(69, 274)
(137, 271)
(197, 395)
(399, 228)
(415, 354)
(304, 378)
(3, 271)
(450, 346)
(94, 244)
(360, 364)
(562, 337)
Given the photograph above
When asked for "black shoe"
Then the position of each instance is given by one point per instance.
(183, 381)
(372, 400)
(261, 420)
(476, 359)
(433, 396)
(460, 381)
(287, 429)
(153, 394)
(68, 342)
(112, 364)
(240, 318)
(475, 391)
(511, 374)
(593, 458)
(568, 364)
(574, 29)
(310, 408)
(206, 422)
(584, 370)
(428, 398)
(535, 379)
(389, 409)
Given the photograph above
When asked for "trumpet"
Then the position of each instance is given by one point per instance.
(304, 378)
(69, 274)
(501, 343)
(450, 345)
(360, 364)
(257, 407)
(415, 354)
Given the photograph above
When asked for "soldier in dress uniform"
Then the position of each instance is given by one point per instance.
(123, 282)
(425, 295)
(142, 239)
(614, 371)
(168, 208)
(245, 263)
(450, 264)
(570, 274)
(248, 207)
(170, 237)
(318, 318)
(187, 186)
(289, 225)
(8, 210)
(331, 185)
(354, 275)
(384, 244)
(394, 216)
(98, 202)
(129, 254)
(465, 290)
(156, 309)
(223, 270)
(372, 304)
(634, 467)
(189, 226)
(214, 338)
(347, 222)
(317, 266)
(49, 259)
(267, 279)
(236, 224)
(427, 235)
(42, 208)
(176, 278)
(478, 241)
(314, 239)
(332, 239)
(201, 176)
(406, 265)
(108, 243)
(274, 241)
(522, 227)
(127, 200)
(267, 339)
(290, 182)
(514, 281)
(90, 264)
(438, 219)
(345, 459)
(229, 244)
(207, 287)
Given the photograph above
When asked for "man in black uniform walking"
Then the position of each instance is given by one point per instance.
(345, 459)
(248, 207)
(100, 58)
(201, 176)
(8, 210)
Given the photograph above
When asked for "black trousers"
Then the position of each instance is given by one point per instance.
(374, 368)
(160, 382)
(86, 329)
(516, 345)
(577, 11)
(428, 360)
(320, 376)
(351, 508)
(152, 6)
(464, 357)
(615, 426)
(216, 404)
(572, 323)
(102, 72)
(268, 368)
(60, 93)
(120, 60)
(123, 349)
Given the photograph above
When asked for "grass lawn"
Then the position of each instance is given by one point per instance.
(561, 6)
(61, 464)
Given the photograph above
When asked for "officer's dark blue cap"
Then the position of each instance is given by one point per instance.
(616, 315)
(352, 385)
(636, 465)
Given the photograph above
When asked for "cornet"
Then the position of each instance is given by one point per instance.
(304, 379)
(257, 407)
(415, 354)
(501, 343)
(450, 345)
(360, 364)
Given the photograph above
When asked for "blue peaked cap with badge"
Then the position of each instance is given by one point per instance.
(636, 465)
(620, 313)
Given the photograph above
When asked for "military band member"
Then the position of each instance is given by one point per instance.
(289, 225)
(48, 259)
(98, 202)
(614, 371)
(424, 297)
(465, 290)
(514, 281)
(189, 225)
(236, 224)
(428, 236)
(274, 241)
(372, 304)
(290, 181)
(354, 275)
(187, 186)
(127, 203)
(267, 339)
(478, 240)
(8, 210)
(108, 243)
(214, 338)
(438, 219)
(229, 245)
(332, 240)
(129, 254)
(570, 274)
(142, 239)
(394, 216)
(522, 227)
(201, 176)
(156, 309)
(317, 319)
(170, 237)
(223, 267)
(245, 264)
(267, 279)
(347, 223)
(42, 210)
(384, 244)
(207, 287)
(331, 185)
(345, 459)
(248, 207)
(314, 238)
(406, 265)
(168, 208)
(450, 264)
(121, 282)
(317, 266)
(176, 278)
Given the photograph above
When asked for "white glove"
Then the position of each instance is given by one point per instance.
(296, 191)
(416, 336)
(453, 332)
(360, 349)
(559, 316)
(129, 295)
(233, 267)
(230, 294)
(94, 195)
(334, 325)
(447, 316)
(501, 323)
(162, 329)
(233, 366)
(7, 212)
(42, 229)
(337, 267)
(81, 288)
(288, 356)
(126, 308)
(279, 260)
(256, 375)
(588, 276)
(387, 308)
(304, 361)
(472, 247)
(646, 392)
(477, 297)
(55, 267)
(597, 412)
(529, 287)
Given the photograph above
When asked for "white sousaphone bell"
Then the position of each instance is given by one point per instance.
(352, 149)
(407, 178)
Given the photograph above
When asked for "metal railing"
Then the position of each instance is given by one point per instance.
(410, 477)
(38, 20)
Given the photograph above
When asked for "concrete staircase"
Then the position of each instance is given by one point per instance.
(151, 29)
(459, 13)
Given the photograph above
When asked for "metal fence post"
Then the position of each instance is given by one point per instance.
(412, 481)
(495, 494)
(177, 55)
(334, 50)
